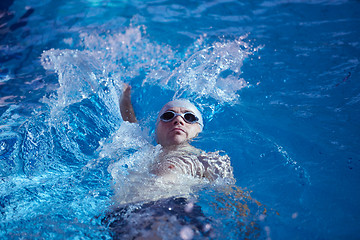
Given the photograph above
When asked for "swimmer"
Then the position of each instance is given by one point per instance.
(146, 206)
(179, 122)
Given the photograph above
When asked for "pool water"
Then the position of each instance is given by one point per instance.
(277, 82)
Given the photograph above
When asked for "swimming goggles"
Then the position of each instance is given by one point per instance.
(189, 117)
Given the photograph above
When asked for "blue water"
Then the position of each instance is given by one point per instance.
(277, 81)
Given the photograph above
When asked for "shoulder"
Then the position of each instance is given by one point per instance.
(217, 164)
(216, 154)
(218, 157)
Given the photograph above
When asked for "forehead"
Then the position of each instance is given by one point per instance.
(179, 109)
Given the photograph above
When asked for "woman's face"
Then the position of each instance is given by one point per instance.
(176, 131)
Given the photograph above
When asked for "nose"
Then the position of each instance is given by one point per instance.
(178, 120)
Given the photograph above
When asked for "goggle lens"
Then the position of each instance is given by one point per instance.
(191, 118)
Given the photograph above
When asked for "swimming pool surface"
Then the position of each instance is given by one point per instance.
(277, 81)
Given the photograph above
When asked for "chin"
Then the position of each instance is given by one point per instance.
(177, 141)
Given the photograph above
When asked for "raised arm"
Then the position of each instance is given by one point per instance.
(126, 107)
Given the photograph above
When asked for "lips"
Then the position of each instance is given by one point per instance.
(178, 129)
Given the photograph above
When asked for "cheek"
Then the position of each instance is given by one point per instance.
(160, 133)
(157, 133)
(194, 131)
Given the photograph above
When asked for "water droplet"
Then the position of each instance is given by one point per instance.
(189, 207)
(186, 233)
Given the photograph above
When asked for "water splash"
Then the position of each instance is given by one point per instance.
(91, 82)
(205, 70)
(212, 72)
(80, 75)
(128, 138)
(129, 54)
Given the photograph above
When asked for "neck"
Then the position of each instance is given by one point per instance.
(176, 146)
(183, 147)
